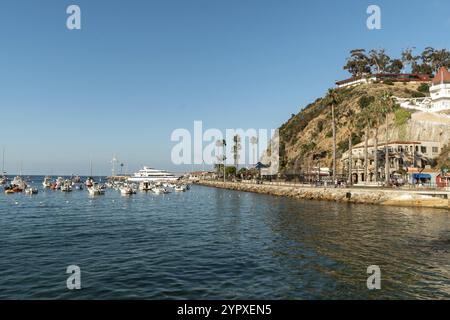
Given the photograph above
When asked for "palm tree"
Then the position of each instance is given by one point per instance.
(333, 100)
(350, 127)
(374, 120)
(222, 143)
(387, 106)
(365, 119)
(254, 142)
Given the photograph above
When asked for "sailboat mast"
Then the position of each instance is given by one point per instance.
(3, 161)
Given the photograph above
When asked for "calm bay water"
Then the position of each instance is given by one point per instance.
(217, 244)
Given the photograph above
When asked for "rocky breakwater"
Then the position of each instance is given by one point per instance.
(394, 197)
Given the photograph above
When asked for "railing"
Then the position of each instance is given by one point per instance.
(329, 184)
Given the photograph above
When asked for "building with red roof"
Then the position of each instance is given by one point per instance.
(440, 91)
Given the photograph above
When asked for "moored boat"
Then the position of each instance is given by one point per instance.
(96, 190)
(127, 190)
(180, 188)
(160, 190)
(47, 183)
(151, 174)
(145, 186)
(31, 191)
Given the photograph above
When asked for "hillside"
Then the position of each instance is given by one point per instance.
(308, 134)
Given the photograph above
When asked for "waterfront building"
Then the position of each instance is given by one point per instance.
(423, 176)
(402, 155)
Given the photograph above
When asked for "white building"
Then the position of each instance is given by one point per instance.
(440, 91)
(439, 99)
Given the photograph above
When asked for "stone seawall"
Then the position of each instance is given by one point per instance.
(394, 197)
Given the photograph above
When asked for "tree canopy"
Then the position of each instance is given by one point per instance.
(361, 63)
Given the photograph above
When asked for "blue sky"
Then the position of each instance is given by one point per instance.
(137, 70)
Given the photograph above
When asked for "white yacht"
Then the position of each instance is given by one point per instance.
(150, 174)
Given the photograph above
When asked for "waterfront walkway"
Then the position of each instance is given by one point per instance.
(367, 195)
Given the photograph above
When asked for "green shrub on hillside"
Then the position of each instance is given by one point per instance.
(417, 94)
(401, 117)
(365, 101)
(424, 88)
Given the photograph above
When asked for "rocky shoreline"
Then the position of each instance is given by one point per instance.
(394, 197)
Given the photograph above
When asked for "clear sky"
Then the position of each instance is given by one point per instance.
(137, 70)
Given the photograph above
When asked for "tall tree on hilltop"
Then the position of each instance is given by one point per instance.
(379, 60)
(440, 58)
(409, 59)
(395, 66)
(358, 63)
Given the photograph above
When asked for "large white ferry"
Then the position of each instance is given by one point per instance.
(150, 174)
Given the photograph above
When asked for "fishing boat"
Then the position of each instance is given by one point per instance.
(13, 189)
(19, 182)
(47, 183)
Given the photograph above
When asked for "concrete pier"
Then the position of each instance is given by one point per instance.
(392, 197)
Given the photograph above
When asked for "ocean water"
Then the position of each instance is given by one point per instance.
(217, 244)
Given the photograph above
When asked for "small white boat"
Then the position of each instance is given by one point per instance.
(89, 182)
(19, 182)
(31, 191)
(160, 190)
(3, 179)
(66, 186)
(145, 186)
(59, 183)
(180, 188)
(126, 190)
(47, 183)
(96, 190)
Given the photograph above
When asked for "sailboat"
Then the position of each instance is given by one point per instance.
(94, 188)
(3, 178)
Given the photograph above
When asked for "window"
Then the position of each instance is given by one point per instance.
(435, 150)
(423, 149)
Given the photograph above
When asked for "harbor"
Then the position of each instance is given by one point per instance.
(212, 243)
(146, 180)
